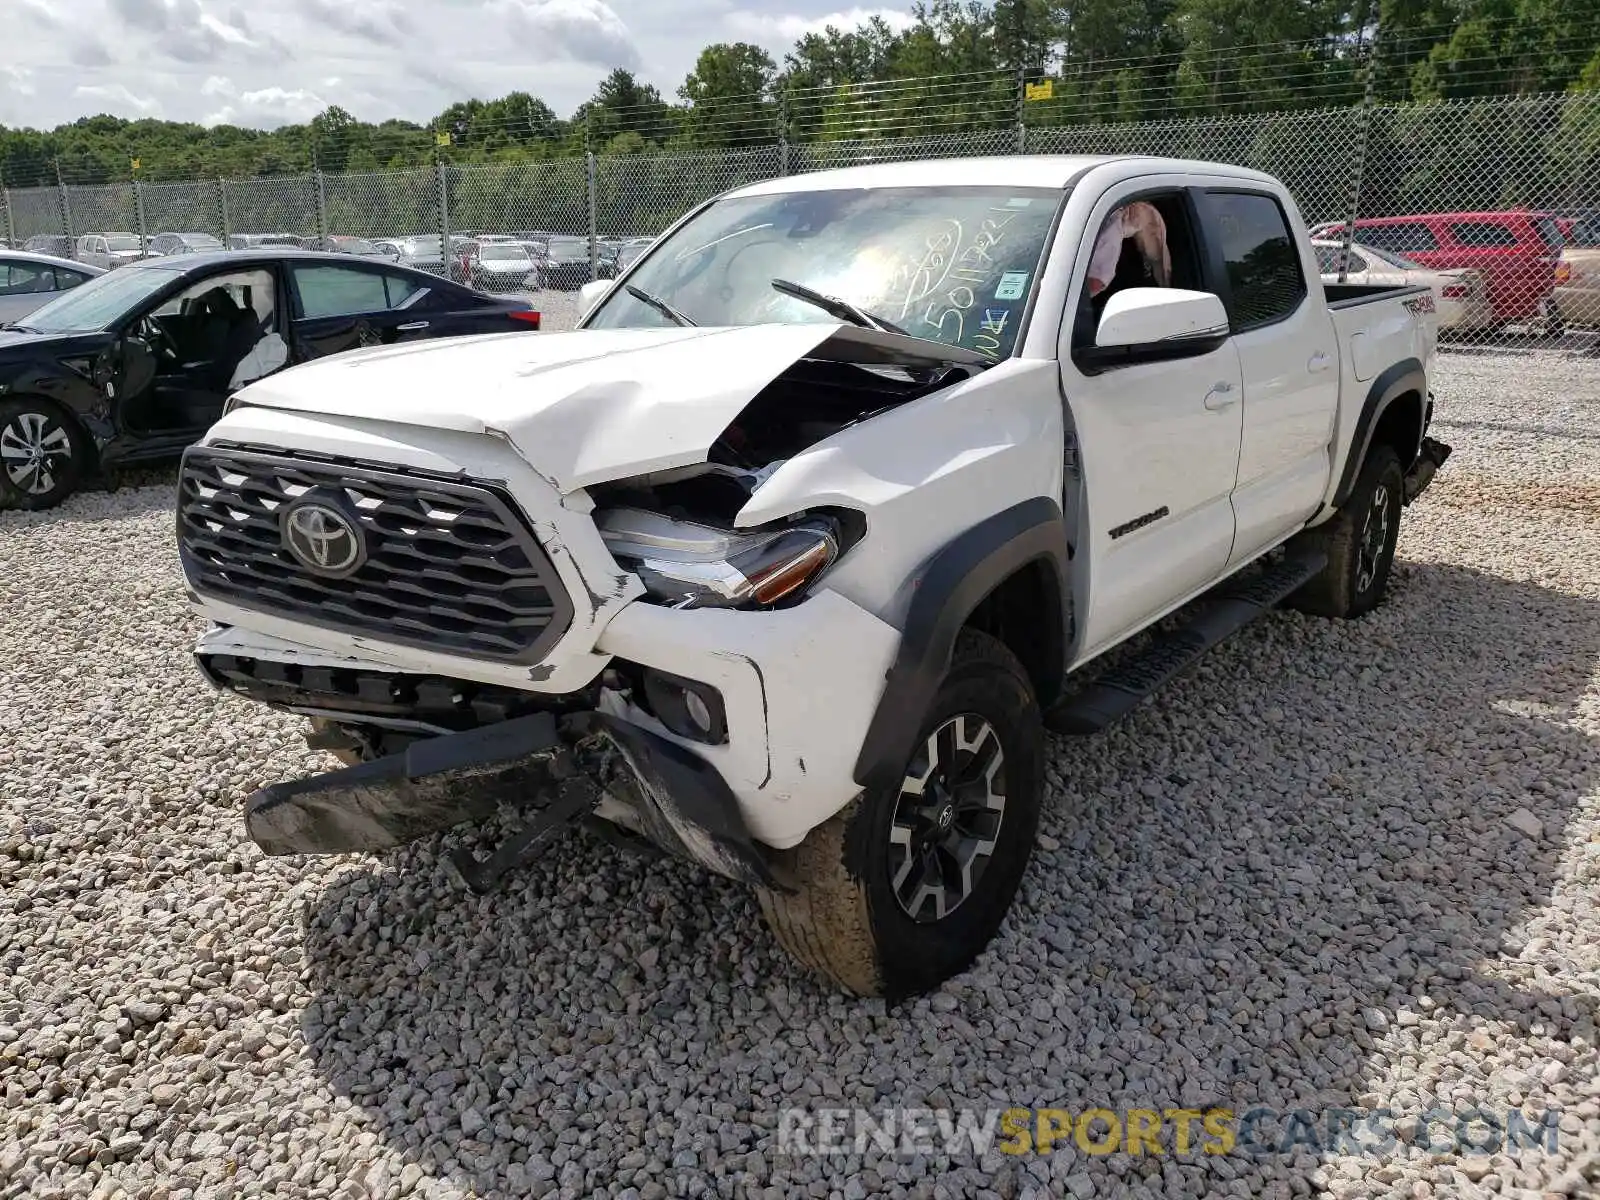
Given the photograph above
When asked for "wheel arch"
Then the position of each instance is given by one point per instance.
(86, 440)
(1395, 413)
(1007, 576)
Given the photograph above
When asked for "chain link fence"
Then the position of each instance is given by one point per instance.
(1494, 202)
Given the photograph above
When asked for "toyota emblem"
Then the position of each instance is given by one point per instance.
(323, 539)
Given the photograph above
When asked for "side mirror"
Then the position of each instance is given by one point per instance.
(591, 294)
(1152, 316)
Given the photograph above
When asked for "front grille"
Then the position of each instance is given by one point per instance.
(449, 566)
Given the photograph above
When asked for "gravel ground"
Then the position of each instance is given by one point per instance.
(1350, 865)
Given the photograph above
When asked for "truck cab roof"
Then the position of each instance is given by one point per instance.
(1006, 170)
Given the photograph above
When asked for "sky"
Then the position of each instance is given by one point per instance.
(283, 61)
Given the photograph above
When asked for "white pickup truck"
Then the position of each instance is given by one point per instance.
(786, 559)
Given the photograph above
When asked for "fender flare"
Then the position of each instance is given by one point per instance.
(1404, 376)
(945, 593)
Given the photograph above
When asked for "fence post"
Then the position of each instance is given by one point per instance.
(1359, 166)
(66, 213)
(1022, 108)
(322, 208)
(444, 215)
(138, 212)
(594, 230)
(11, 220)
(783, 133)
(222, 209)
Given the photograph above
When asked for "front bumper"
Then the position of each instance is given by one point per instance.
(800, 686)
(527, 763)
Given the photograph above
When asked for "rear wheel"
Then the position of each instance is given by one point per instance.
(1359, 542)
(906, 886)
(42, 454)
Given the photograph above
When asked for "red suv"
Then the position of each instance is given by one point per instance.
(1517, 252)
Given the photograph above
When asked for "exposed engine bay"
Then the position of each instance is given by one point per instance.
(808, 403)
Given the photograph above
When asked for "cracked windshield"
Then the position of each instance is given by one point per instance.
(957, 265)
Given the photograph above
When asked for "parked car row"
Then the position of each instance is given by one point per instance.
(1518, 257)
(518, 260)
(1461, 297)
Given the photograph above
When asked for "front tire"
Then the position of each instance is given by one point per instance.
(1359, 542)
(906, 886)
(42, 455)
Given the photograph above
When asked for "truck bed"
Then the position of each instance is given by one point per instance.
(1349, 295)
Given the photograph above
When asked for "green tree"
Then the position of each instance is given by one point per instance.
(621, 104)
(728, 96)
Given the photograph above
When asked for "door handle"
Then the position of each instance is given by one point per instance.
(1221, 396)
(1319, 363)
(411, 327)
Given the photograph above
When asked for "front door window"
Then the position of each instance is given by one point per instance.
(220, 333)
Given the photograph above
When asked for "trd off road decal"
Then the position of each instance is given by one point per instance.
(1421, 304)
(1149, 518)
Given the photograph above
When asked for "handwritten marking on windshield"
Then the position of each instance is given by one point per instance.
(724, 238)
(991, 330)
(973, 265)
(929, 274)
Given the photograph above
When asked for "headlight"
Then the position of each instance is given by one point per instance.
(692, 565)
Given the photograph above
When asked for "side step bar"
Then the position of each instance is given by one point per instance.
(1217, 616)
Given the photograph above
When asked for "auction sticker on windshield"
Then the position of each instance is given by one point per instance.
(1013, 285)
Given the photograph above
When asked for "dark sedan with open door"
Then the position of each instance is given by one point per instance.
(138, 363)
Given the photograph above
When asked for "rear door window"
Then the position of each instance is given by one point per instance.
(1404, 237)
(1480, 234)
(339, 291)
(1260, 255)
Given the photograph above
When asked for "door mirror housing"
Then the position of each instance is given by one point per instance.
(591, 294)
(1155, 324)
(1146, 315)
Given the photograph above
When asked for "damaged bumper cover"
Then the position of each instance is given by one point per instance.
(1430, 458)
(551, 771)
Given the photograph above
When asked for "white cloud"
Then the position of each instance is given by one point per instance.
(380, 21)
(19, 80)
(787, 28)
(233, 35)
(186, 30)
(120, 96)
(268, 108)
(40, 12)
(199, 59)
(585, 31)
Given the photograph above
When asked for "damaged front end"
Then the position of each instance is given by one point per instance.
(552, 770)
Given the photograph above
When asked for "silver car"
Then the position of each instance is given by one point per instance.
(164, 244)
(29, 280)
(107, 250)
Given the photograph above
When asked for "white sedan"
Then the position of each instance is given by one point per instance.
(1461, 295)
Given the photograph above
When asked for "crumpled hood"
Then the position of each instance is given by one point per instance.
(582, 407)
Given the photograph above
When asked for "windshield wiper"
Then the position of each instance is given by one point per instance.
(660, 305)
(836, 307)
